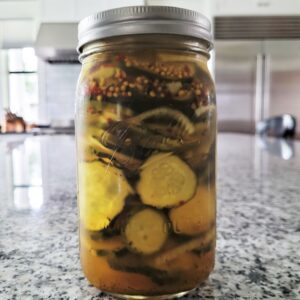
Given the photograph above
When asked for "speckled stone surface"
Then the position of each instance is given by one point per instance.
(258, 254)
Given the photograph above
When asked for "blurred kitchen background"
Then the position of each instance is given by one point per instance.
(256, 61)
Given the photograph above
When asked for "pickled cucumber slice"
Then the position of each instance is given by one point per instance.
(197, 215)
(178, 116)
(203, 250)
(101, 71)
(124, 160)
(87, 145)
(197, 155)
(146, 231)
(118, 138)
(130, 263)
(183, 265)
(166, 130)
(102, 193)
(207, 109)
(149, 140)
(166, 181)
(133, 136)
(196, 243)
(157, 158)
(103, 246)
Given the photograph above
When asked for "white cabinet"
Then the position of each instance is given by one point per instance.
(11, 9)
(58, 11)
(75, 10)
(17, 26)
(13, 37)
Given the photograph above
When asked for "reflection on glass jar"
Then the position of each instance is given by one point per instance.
(146, 140)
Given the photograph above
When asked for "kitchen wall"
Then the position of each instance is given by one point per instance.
(57, 85)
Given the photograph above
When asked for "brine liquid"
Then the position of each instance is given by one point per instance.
(146, 130)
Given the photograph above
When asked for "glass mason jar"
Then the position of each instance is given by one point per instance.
(146, 142)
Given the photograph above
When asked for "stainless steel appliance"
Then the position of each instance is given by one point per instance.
(257, 70)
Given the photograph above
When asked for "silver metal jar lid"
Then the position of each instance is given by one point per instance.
(143, 20)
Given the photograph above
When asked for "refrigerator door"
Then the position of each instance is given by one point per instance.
(256, 80)
(236, 82)
(284, 70)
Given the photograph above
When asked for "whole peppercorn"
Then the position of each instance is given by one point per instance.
(152, 94)
(198, 92)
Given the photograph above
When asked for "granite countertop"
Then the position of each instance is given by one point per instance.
(258, 243)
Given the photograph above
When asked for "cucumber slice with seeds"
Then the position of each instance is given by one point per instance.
(166, 181)
(102, 193)
(146, 231)
(197, 215)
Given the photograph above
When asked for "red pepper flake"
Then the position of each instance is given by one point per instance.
(95, 91)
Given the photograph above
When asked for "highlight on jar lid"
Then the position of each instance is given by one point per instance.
(134, 20)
